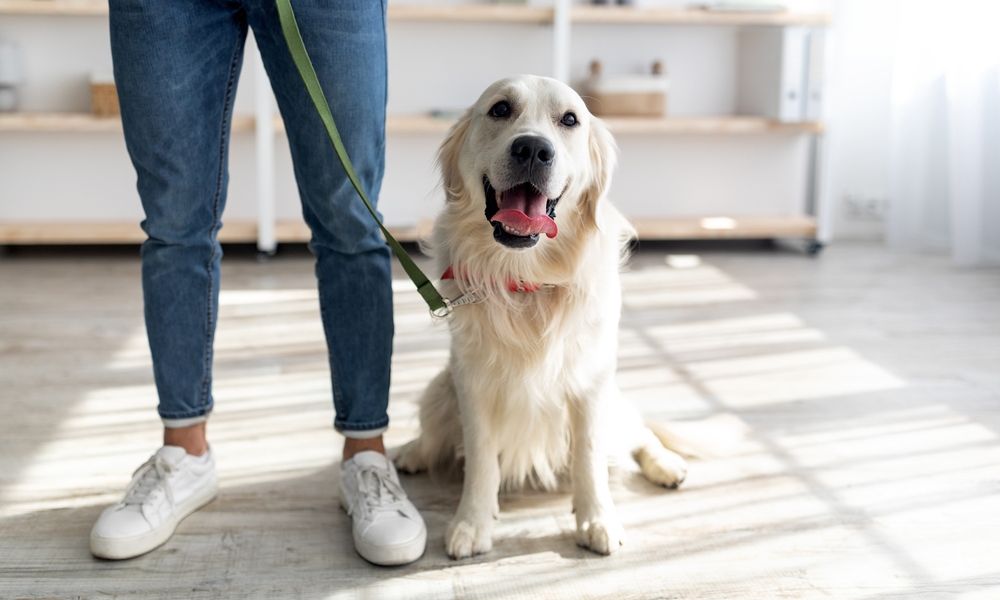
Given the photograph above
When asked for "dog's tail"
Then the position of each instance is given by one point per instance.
(711, 437)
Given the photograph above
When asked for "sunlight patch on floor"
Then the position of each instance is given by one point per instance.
(791, 376)
(665, 287)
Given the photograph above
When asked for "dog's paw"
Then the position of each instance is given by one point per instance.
(465, 538)
(600, 534)
(410, 458)
(664, 468)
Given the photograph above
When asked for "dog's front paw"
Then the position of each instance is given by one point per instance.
(410, 458)
(666, 468)
(465, 538)
(602, 534)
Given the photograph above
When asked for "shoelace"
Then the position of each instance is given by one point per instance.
(146, 478)
(378, 491)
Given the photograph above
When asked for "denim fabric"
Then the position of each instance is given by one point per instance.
(176, 66)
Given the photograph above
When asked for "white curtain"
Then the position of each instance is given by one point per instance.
(945, 148)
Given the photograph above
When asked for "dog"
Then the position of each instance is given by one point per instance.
(529, 393)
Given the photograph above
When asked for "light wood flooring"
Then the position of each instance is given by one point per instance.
(848, 407)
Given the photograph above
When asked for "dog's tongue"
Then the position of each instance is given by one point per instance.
(523, 209)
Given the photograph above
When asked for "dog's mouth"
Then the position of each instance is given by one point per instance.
(520, 214)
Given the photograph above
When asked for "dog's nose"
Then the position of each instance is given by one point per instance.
(529, 149)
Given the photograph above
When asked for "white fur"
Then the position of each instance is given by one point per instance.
(529, 394)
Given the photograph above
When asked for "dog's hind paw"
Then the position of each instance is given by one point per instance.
(602, 535)
(410, 458)
(464, 539)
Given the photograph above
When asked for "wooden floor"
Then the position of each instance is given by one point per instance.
(850, 407)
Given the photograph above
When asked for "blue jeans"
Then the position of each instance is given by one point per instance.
(176, 66)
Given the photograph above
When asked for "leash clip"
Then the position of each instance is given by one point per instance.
(443, 312)
(470, 297)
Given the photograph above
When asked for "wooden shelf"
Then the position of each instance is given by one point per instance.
(405, 124)
(118, 232)
(421, 124)
(674, 16)
(714, 228)
(706, 126)
(298, 232)
(81, 122)
(54, 7)
(490, 13)
(104, 232)
(472, 13)
(86, 122)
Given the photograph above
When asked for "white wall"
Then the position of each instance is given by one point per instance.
(858, 103)
(85, 176)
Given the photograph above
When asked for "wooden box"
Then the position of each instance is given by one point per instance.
(104, 97)
(627, 95)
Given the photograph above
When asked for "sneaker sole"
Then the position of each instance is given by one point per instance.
(130, 547)
(391, 556)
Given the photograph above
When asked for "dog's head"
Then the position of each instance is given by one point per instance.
(526, 151)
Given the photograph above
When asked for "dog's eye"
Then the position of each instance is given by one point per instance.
(569, 120)
(500, 110)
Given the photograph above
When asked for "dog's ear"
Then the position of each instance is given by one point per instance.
(603, 158)
(448, 155)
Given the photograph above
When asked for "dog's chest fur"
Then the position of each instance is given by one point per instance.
(523, 363)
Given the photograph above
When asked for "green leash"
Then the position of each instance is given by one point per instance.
(438, 305)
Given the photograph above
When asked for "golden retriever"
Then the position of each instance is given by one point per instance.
(529, 393)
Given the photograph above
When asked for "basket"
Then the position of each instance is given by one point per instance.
(627, 96)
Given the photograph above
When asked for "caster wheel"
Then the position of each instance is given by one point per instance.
(264, 256)
(814, 247)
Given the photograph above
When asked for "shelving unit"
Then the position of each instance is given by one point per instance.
(561, 17)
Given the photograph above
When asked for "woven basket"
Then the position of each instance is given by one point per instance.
(104, 99)
(626, 96)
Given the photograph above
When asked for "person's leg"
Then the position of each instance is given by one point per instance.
(346, 41)
(176, 68)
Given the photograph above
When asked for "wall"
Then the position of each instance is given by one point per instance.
(859, 104)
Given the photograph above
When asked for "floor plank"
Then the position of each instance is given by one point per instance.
(848, 407)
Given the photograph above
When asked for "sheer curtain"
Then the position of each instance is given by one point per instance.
(945, 147)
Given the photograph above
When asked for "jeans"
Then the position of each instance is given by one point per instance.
(176, 65)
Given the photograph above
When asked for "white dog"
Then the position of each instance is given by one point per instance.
(529, 393)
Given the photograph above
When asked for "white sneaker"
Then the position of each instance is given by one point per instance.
(168, 487)
(387, 528)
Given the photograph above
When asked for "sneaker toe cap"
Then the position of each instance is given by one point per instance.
(395, 531)
(116, 522)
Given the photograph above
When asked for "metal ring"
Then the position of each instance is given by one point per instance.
(443, 311)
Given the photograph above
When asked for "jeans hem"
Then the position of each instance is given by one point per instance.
(179, 422)
(362, 431)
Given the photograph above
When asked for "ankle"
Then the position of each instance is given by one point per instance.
(354, 445)
(192, 439)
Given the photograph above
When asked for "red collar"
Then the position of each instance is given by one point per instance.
(512, 285)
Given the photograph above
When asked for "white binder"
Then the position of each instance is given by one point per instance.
(774, 68)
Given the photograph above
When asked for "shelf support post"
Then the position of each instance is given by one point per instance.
(561, 40)
(264, 133)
